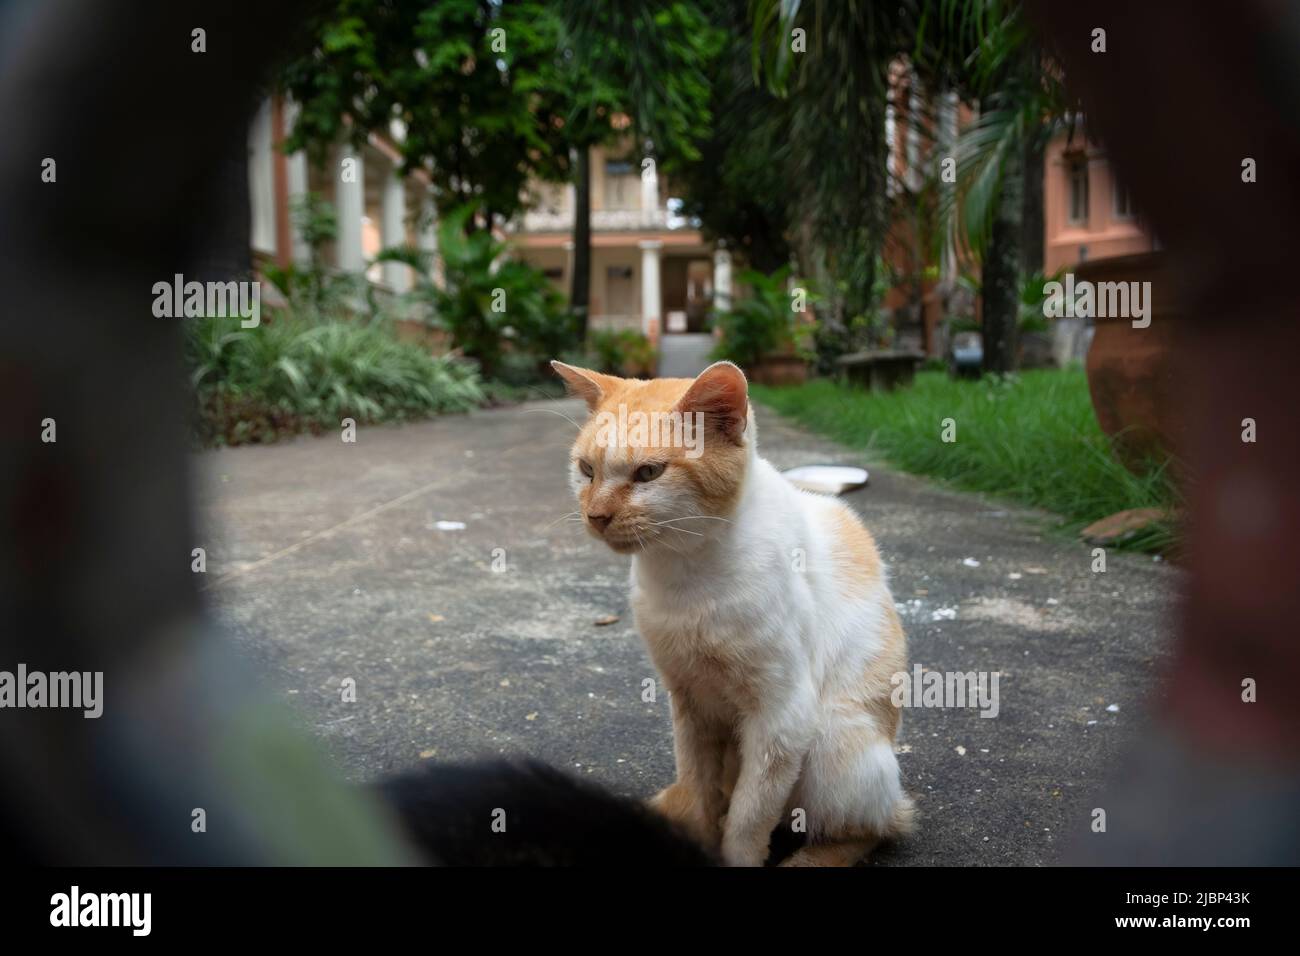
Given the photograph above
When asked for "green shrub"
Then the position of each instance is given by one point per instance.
(624, 352)
(761, 324)
(291, 374)
(314, 288)
(489, 304)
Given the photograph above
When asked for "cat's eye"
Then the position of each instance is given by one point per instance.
(648, 472)
(585, 469)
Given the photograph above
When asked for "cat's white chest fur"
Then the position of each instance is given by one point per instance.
(762, 604)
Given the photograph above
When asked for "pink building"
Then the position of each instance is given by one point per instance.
(1088, 214)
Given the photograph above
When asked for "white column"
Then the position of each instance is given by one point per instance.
(429, 236)
(261, 181)
(350, 197)
(393, 230)
(891, 140)
(297, 183)
(649, 189)
(721, 279)
(914, 97)
(948, 113)
(650, 306)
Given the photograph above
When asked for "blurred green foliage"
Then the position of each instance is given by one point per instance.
(291, 374)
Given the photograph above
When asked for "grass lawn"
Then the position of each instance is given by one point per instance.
(1032, 438)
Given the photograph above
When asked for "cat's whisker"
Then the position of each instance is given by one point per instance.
(569, 517)
(673, 549)
(697, 534)
(554, 412)
(695, 517)
(659, 536)
(670, 523)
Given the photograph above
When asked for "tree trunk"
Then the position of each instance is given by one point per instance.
(1031, 234)
(580, 294)
(1001, 286)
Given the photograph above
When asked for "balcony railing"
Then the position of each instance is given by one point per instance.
(608, 220)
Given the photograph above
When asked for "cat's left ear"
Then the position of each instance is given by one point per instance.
(586, 384)
(721, 393)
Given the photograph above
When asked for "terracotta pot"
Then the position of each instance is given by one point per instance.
(779, 370)
(1130, 370)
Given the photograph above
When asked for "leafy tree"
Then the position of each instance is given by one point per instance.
(474, 83)
(649, 60)
(831, 58)
(837, 88)
(495, 93)
(984, 50)
(737, 185)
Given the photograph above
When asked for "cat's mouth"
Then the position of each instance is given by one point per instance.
(621, 543)
(624, 547)
(621, 540)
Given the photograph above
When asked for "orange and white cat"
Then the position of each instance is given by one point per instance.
(766, 610)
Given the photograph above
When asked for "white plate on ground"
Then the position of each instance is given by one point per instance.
(827, 479)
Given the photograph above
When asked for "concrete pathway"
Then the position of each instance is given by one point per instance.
(685, 354)
(330, 561)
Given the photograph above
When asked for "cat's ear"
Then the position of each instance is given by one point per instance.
(591, 386)
(721, 393)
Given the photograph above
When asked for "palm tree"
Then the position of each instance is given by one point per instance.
(831, 58)
(984, 50)
(981, 49)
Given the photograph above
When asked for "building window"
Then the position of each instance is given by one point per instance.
(1123, 202)
(1077, 182)
(622, 185)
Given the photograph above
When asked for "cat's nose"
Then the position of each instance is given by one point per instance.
(600, 522)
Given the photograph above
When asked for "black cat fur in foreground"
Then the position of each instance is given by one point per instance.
(551, 819)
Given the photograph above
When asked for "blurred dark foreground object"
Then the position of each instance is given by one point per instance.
(1216, 780)
(525, 813)
(150, 141)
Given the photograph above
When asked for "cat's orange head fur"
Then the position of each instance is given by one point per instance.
(646, 474)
